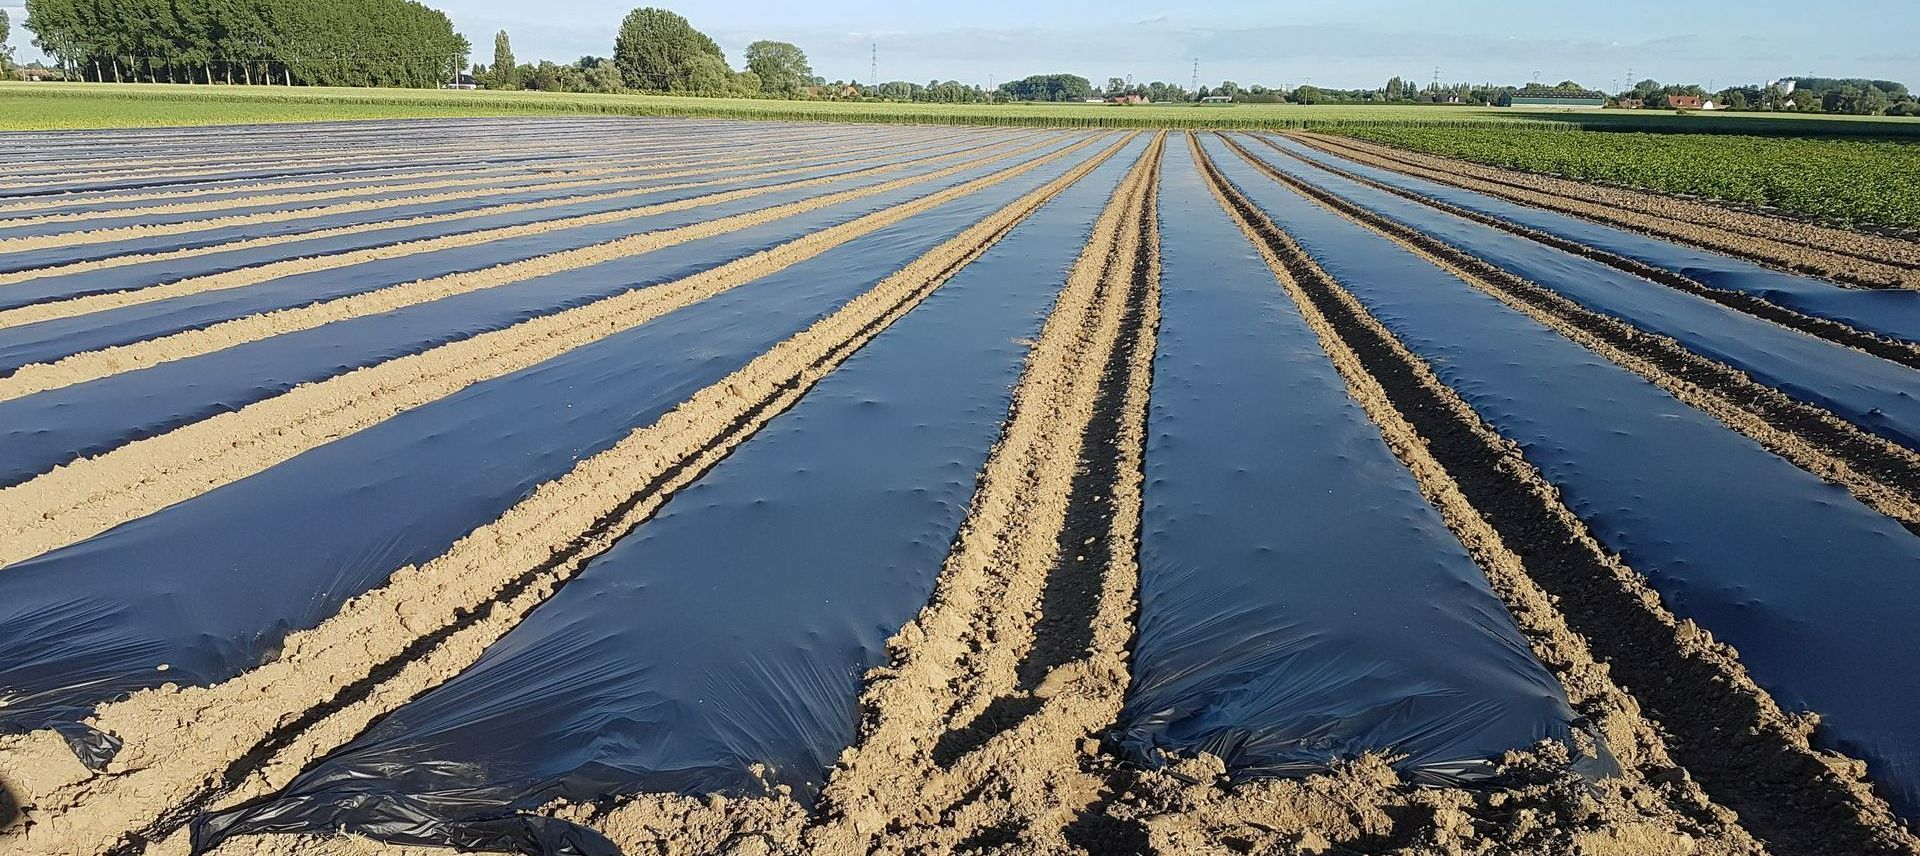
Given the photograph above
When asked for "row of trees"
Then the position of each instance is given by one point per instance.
(315, 42)
(404, 43)
(658, 51)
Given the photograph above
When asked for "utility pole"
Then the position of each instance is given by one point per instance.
(1436, 78)
(1195, 88)
(873, 66)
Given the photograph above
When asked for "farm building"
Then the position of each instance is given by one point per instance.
(1687, 102)
(1565, 98)
(1217, 99)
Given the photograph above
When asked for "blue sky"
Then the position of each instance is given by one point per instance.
(1331, 43)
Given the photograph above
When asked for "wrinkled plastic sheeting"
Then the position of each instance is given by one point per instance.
(42, 431)
(1814, 588)
(1879, 395)
(212, 586)
(1892, 312)
(399, 820)
(1300, 601)
(721, 647)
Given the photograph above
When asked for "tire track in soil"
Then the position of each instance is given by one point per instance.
(1721, 727)
(96, 364)
(567, 176)
(978, 731)
(1842, 255)
(193, 748)
(71, 307)
(120, 233)
(1877, 471)
(1840, 333)
(275, 240)
(1651, 797)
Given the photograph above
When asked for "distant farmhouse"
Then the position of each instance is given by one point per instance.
(1584, 99)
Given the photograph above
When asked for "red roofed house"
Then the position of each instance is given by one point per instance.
(1684, 102)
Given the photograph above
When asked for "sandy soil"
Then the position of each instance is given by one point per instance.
(92, 365)
(1718, 725)
(273, 240)
(566, 173)
(290, 211)
(1905, 353)
(178, 740)
(1883, 474)
(77, 306)
(653, 153)
(983, 733)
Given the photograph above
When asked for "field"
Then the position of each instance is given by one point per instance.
(1864, 182)
(52, 106)
(596, 485)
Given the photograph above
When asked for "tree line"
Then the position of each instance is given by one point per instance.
(404, 43)
(312, 42)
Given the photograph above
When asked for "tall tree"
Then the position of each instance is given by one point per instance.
(506, 74)
(322, 42)
(6, 50)
(660, 51)
(782, 68)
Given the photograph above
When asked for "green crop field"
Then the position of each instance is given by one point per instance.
(46, 106)
(1854, 181)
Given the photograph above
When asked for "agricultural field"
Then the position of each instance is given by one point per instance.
(70, 106)
(608, 485)
(1861, 182)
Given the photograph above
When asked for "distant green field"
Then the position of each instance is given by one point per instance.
(41, 106)
(1851, 181)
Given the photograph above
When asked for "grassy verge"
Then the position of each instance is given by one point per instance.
(44, 106)
(1849, 181)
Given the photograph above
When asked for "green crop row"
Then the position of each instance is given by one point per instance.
(1857, 182)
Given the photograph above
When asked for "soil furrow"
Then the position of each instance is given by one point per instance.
(483, 172)
(274, 240)
(586, 173)
(92, 495)
(1881, 473)
(92, 365)
(1904, 353)
(1721, 727)
(333, 165)
(904, 786)
(544, 144)
(119, 233)
(1633, 741)
(1843, 255)
(77, 306)
(221, 745)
